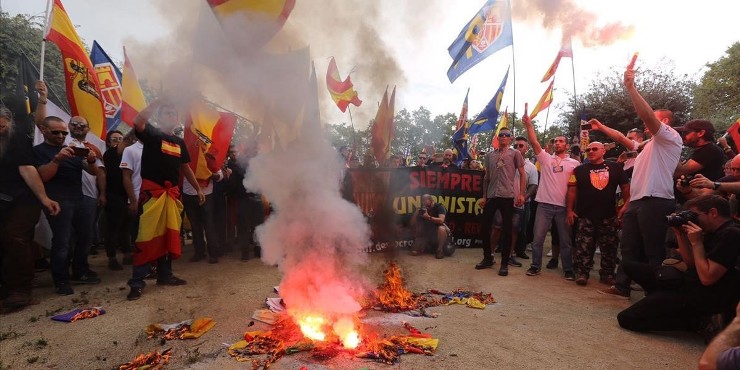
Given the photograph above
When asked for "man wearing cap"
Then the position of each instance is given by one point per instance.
(708, 158)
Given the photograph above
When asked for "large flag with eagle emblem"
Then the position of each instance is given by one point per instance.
(83, 92)
(488, 32)
(109, 82)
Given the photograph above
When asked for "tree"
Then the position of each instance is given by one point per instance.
(607, 100)
(22, 34)
(717, 95)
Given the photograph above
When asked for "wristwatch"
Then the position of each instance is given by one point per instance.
(716, 185)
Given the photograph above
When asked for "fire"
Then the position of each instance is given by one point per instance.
(321, 328)
(312, 327)
(392, 294)
(345, 329)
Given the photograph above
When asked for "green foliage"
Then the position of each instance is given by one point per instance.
(22, 34)
(717, 95)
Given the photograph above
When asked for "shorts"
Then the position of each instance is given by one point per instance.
(498, 222)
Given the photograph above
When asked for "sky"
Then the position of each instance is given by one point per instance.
(404, 43)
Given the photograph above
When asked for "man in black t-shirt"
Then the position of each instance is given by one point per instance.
(429, 222)
(708, 158)
(708, 246)
(591, 206)
(116, 207)
(19, 211)
(163, 159)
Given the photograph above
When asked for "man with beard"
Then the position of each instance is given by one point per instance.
(19, 212)
(707, 158)
(555, 173)
(164, 158)
(592, 208)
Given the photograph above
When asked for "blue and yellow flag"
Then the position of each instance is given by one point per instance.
(489, 31)
(110, 82)
(460, 137)
(487, 119)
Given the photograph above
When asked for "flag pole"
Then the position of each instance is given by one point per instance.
(513, 63)
(43, 40)
(575, 96)
(354, 133)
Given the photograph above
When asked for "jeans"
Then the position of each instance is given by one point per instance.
(76, 217)
(201, 221)
(546, 214)
(643, 234)
(16, 246)
(506, 207)
(164, 272)
(524, 232)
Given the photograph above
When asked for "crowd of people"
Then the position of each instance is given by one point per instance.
(662, 225)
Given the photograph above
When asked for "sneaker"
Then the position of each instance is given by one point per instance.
(522, 255)
(608, 280)
(582, 280)
(552, 264)
(485, 264)
(514, 262)
(85, 279)
(614, 291)
(64, 289)
(197, 258)
(503, 271)
(134, 294)
(114, 265)
(212, 259)
(173, 280)
(549, 254)
(533, 271)
(569, 275)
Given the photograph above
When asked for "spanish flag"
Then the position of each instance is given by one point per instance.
(133, 97)
(544, 102)
(159, 226)
(342, 92)
(208, 134)
(566, 51)
(383, 127)
(83, 88)
(255, 21)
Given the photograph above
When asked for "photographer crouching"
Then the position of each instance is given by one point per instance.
(430, 228)
(680, 294)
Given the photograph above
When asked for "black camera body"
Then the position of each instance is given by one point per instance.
(686, 180)
(630, 154)
(421, 212)
(681, 218)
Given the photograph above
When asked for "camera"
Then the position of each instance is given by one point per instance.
(80, 152)
(681, 218)
(630, 154)
(422, 211)
(686, 180)
(585, 125)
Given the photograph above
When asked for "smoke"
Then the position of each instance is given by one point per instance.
(574, 21)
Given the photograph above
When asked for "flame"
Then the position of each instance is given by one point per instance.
(392, 294)
(312, 327)
(345, 329)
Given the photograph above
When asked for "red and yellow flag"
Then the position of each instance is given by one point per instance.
(734, 132)
(83, 88)
(133, 97)
(566, 51)
(278, 10)
(159, 228)
(342, 92)
(208, 134)
(544, 102)
(254, 22)
(383, 127)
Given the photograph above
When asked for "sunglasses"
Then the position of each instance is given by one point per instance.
(59, 132)
(78, 124)
(520, 145)
(504, 134)
(116, 139)
(422, 157)
(594, 149)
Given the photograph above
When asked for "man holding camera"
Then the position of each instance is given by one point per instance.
(429, 223)
(707, 242)
(60, 168)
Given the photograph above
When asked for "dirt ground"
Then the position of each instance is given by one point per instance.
(538, 322)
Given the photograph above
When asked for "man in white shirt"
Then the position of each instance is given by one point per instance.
(131, 169)
(643, 225)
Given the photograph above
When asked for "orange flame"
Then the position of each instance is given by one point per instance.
(312, 327)
(319, 327)
(345, 329)
(392, 294)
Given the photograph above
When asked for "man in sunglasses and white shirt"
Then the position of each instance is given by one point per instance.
(499, 196)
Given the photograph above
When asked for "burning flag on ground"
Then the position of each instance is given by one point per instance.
(188, 329)
(149, 361)
(79, 314)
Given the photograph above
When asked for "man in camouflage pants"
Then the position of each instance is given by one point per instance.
(591, 205)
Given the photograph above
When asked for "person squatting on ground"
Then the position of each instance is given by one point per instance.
(499, 196)
(675, 300)
(551, 195)
(651, 186)
(163, 159)
(21, 190)
(592, 208)
(430, 228)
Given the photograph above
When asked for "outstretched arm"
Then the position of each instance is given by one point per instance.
(644, 111)
(536, 147)
(612, 134)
